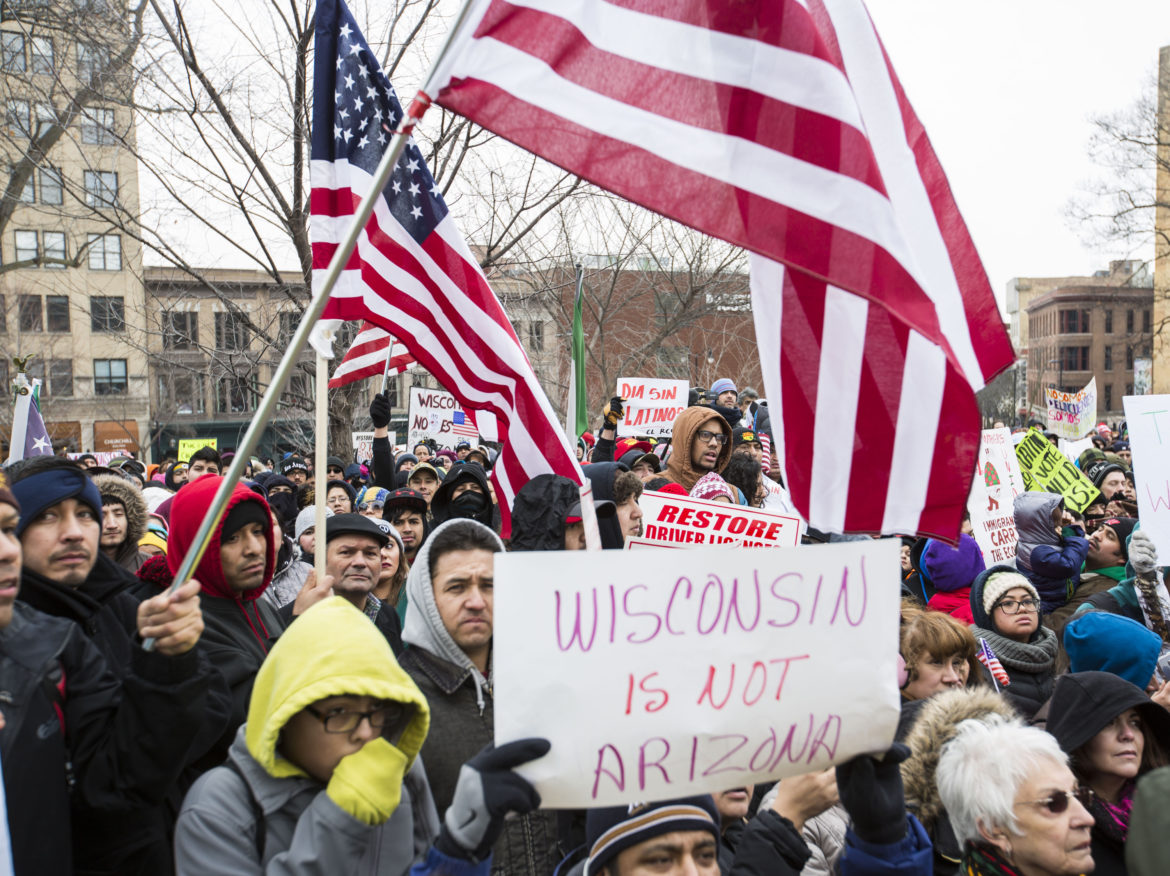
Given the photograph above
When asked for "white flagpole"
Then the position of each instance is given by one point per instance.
(320, 462)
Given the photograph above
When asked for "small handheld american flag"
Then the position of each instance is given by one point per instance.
(987, 657)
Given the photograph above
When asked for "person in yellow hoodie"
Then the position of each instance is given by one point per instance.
(325, 778)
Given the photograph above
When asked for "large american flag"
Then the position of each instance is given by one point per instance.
(411, 272)
(781, 127)
(367, 357)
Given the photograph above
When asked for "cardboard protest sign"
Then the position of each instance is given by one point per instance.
(651, 405)
(1046, 469)
(1148, 417)
(1072, 414)
(189, 446)
(434, 413)
(994, 488)
(363, 444)
(679, 521)
(672, 673)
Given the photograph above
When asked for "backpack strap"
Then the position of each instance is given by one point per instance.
(257, 812)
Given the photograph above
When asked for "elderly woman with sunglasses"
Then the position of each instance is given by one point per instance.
(1006, 609)
(1114, 734)
(1013, 802)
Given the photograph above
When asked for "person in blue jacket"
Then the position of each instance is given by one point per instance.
(1051, 549)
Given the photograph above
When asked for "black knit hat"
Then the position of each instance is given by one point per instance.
(614, 829)
(1084, 703)
(1123, 526)
(1099, 469)
(240, 516)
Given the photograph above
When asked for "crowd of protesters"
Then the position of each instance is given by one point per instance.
(259, 720)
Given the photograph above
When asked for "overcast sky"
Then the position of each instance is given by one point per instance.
(1006, 91)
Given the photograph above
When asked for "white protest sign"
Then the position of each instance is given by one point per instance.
(651, 405)
(434, 413)
(994, 488)
(1148, 418)
(679, 521)
(1074, 449)
(1072, 414)
(673, 673)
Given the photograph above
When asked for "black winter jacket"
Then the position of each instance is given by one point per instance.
(78, 745)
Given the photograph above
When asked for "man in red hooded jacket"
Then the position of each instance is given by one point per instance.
(237, 567)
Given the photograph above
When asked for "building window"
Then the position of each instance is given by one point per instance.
(536, 336)
(46, 115)
(1108, 322)
(54, 245)
(3, 327)
(107, 313)
(288, 327)
(61, 377)
(57, 313)
(180, 330)
(91, 61)
(16, 115)
(185, 394)
(1108, 358)
(109, 376)
(30, 313)
(1074, 358)
(105, 252)
(41, 52)
(234, 395)
(52, 190)
(1074, 321)
(1129, 389)
(1108, 396)
(12, 51)
(28, 194)
(26, 246)
(1129, 322)
(231, 333)
(298, 392)
(1145, 320)
(1128, 357)
(97, 126)
(101, 188)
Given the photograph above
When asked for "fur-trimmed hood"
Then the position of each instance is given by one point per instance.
(934, 727)
(115, 488)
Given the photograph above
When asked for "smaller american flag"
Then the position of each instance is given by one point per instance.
(766, 443)
(987, 658)
(462, 425)
(366, 357)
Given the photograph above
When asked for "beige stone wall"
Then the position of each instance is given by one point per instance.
(1162, 231)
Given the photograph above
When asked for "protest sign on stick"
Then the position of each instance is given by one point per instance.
(1046, 469)
(679, 521)
(1148, 418)
(672, 672)
(651, 405)
(990, 503)
(190, 446)
(1072, 414)
(434, 413)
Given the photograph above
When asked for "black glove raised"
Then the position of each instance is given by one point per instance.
(487, 791)
(871, 792)
(380, 410)
(613, 411)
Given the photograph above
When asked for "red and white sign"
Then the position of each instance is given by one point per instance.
(993, 493)
(651, 405)
(679, 521)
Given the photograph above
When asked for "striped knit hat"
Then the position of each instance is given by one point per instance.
(614, 829)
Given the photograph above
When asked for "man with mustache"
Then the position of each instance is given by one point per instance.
(65, 574)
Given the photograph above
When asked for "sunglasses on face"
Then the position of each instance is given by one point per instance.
(1058, 801)
(370, 506)
(334, 471)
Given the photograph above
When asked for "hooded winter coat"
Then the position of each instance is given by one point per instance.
(1084, 704)
(951, 571)
(538, 514)
(678, 467)
(933, 728)
(238, 628)
(333, 649)
(1051, 562)
(462, 718)
(115, 488)
(441, 508)
(1031, 666)
(601, 475)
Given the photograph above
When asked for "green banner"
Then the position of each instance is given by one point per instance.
(1046, 469)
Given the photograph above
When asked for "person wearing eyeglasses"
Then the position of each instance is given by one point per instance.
(325, 776)
(700, 443)
(1013, 802)
(1114, 734)
(1006, 609)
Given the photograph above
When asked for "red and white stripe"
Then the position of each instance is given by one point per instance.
(780, 127)
(435, 299)
(367, 354)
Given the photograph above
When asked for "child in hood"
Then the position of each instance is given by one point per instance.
(1051, 549)
(952, 570)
